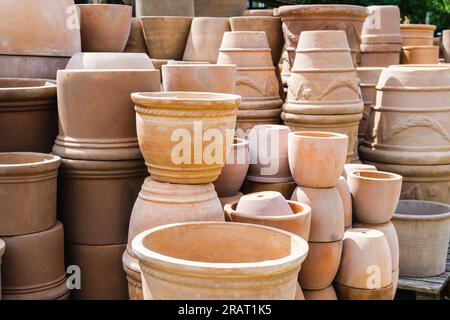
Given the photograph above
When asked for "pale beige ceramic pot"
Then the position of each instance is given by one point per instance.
(219, 261)
(327, 294)
(352, 167)
(417, 34)
(346, 197)
(267, 203)
(110, 61)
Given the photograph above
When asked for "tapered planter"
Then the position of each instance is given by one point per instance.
(238, 264)
(327, 294)
(420, 55)
(218, 8)
(417, 34)
(109, 60)
(146, 8)
(136, 41)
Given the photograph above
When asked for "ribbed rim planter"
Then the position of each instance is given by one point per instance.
(423, 229)
(382, 25)
(32, 176)
(110, 61)
(417, 34)
(104, 27)
(420, 55)
(226, 261)
(190, 115)
(28, 115)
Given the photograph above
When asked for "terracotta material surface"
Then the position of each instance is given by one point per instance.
(31, 66)
(347, 293)
(110, 61)
(299, 293)
(417, 34)
(136, 41)
(352, 167)
(133, 272)
(232, 199)
(2, 252)
(267, 203)
(259, 12)
(346, 197)
(285, 188)
(218, 8)
(164, 8)
(28, 115)
(380, 55)
(219, 261)
(30, 176)
(321, 295)
(446, 45)
(420, 55)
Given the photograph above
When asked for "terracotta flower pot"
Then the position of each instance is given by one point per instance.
(375, 195)
(218, 8)
(136, 41)
(285, 188)
(446, 45)
(423, 230)
(30, 104)
(85, 120)
(159, 63)
(321, 265)
(204, 39)
(110, 61)
(33, 266)
(133, 272)
(321, 295)
(328, 221)
(380, 55)
(268, 203)
(2, 252)
(30, 176)
(352, 167)
(346, 197)
(317, 159)
(259, 13)
(101, 268)
(417, 34)
(240, 264)
(348, 293)
(146, 8)
(233, 174)
(190, 116)
(104, 27)
(166, 36)
(420, 55)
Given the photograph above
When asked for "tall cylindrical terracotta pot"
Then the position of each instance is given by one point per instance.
(219, 8)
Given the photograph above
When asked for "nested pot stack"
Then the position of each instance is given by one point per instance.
(418, 44)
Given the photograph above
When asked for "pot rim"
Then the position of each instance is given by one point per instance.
(417, 26)
(183, 97)
(165, 18)
(305, 210)
(322, 135)
(328, 9)
(112, 71)
(417, 217)
(200, 65)
(256, 18)
(391, 176)
(104, 5)
(27, 87)
(46, 160)
(420, 47)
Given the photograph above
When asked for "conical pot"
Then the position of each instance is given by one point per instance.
(327, 294)
(219, 8)
(285, 188)
(348, 293)
(219, 261)
(146, 8)
(346, 197)
(110, 61)
(417, 34)
(420, 55)
(136, 41)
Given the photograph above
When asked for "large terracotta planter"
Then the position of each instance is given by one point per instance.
(2, 252)
(417, 34)
(136, 41)
(346, 197)
(96, 199)
(204, 39)
(218, 8)
(28, 115)
(104, 27)
(423, 230)
(317, 159)
(110, 61)
(328, 294)
(241, 263)
(166, 36)
(193, 115)
(85, 120)
(30, 176)
(420, 55)
(164, 8)
(33, 266)
(285, 188)
(446, 45)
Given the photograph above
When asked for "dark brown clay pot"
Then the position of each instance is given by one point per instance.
(31, 177)
(28, 115)
(320, 295)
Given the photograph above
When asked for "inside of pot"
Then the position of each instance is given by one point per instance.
(220, 243)
(21, 83)
(23, 158)
(374, 175)
(421, 208)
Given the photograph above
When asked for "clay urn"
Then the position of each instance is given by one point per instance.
(346, 197)
(2, 252)
(423, 232)
(352, 167)
(219, 8)
(316, 159)
(174, 129)
(348, 293)
(30, 104)
(446, 45)
(104, 27)
(146, 8)
(259, 13)
(375, 195)
(30, 176)
(199, 78)
(420, 55)
(285, 188)
(136, 41)
(327, 221)
(417, 34)
(327, 294)
(33, 266)
(204, 39)
(219, 261)
(166, 36)
(233, 174)
(110, 61)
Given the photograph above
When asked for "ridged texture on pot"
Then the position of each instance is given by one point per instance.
(30, 176)
(326, 294)
(285, 188)
(219, 261)
(85, 120)
(110, 61)
(348, 293)
(28, 115)
(417, 34)
(96, 199)
(146, 8)
(219, 8)
(420, 55)
(346, 197)
(33, 266)
(136, 41)
(31, 66)
(133, 272)
(446, 45)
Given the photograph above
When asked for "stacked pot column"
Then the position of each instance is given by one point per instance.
(418, 44)
(102, 167)
(324, 92)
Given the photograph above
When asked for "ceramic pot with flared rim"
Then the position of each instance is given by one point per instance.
(85, 120)
(423, 232)
(380, 55)
(375, 195)
(259, 13)
(110, 61)
(193, 118)
(285, 188)
(316, 159)
(346, 197)
(96, 199)
(352, 167)
(218, 8)
(30, 104)
(136, 41)
(417, 34)
(133, 272)
(2, 252)
(104, 27)
(233, 174)
(103, 277)
(327, 221)
(382, 25)
(199, 77)
(326, 294)
(298, 223)
(146, 8)
(446, 45)
(348, 293)
(166, 37)
(420, 55)
(30, 176)
(33, 266)
(258, 262)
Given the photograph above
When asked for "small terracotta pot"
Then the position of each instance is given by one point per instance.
(268, 203)
(347, 293)
(321, 265)
(110, 61)
(285, 188)
(328, 221)
(146, 8)
(346, 197)
(352, 167)
(2, 252)
(417, 34)
(218, 8)
(375, 195)
(317, 159)
(232, 199)
(136, 41)
(321, 295)
(104, 27)
(245, 262)
(420, 55)
(30, 176)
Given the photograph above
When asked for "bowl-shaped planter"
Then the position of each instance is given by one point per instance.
(28, 115)
(104, 27)
(110, 61)
(417, 34)
(219, 261)
(30, 176)
(423, 230)
(326, 294)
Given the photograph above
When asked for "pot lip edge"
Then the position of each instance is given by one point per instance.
(300, 214)
(53, 160)
(417, 217)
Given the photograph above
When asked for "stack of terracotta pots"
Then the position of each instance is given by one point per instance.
(317, 161)
(381, 38)
(418, 44)
(102, 167)
(33, 264)
(324, 92)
